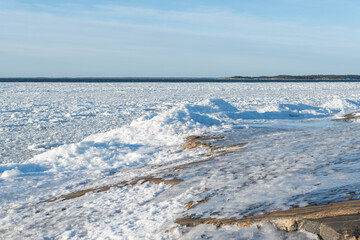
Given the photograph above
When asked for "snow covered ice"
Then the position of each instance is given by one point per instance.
(57, 139)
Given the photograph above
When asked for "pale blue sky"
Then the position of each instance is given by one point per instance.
(165, 38)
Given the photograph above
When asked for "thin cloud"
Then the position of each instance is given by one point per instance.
(113, 32)
(210, 23)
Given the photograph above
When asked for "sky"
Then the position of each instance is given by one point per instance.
(168, 38)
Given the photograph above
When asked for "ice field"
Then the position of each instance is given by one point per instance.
(60, 138)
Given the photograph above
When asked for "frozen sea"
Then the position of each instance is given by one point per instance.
(59, 138)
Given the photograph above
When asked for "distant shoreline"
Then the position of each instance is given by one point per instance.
(235, 79)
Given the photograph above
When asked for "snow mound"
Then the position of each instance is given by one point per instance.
(10, 173)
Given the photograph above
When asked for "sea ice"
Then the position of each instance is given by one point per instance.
(84, 136)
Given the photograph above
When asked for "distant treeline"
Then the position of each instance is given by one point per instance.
(302, 77)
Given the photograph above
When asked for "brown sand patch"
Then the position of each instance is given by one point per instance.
(228, 146)
(193, 204)
(78, 193)
(348, 117)
(340, 220)
(199, 141)
(171, 182)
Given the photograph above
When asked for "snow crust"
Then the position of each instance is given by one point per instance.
(60, 138)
